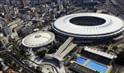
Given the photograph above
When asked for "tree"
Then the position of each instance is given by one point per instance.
(41, 54)
(120, 59)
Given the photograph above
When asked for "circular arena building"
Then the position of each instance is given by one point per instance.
(38, 39)
(90, 26)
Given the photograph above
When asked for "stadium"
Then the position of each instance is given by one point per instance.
(90, 26)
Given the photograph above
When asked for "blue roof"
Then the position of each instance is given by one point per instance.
(97, 67)
(80, 60)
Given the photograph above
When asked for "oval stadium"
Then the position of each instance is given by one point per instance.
(90, 26)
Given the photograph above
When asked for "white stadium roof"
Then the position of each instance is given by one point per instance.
(38, 39)
(89, 25)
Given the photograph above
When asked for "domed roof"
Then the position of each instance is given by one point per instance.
(38, 39)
